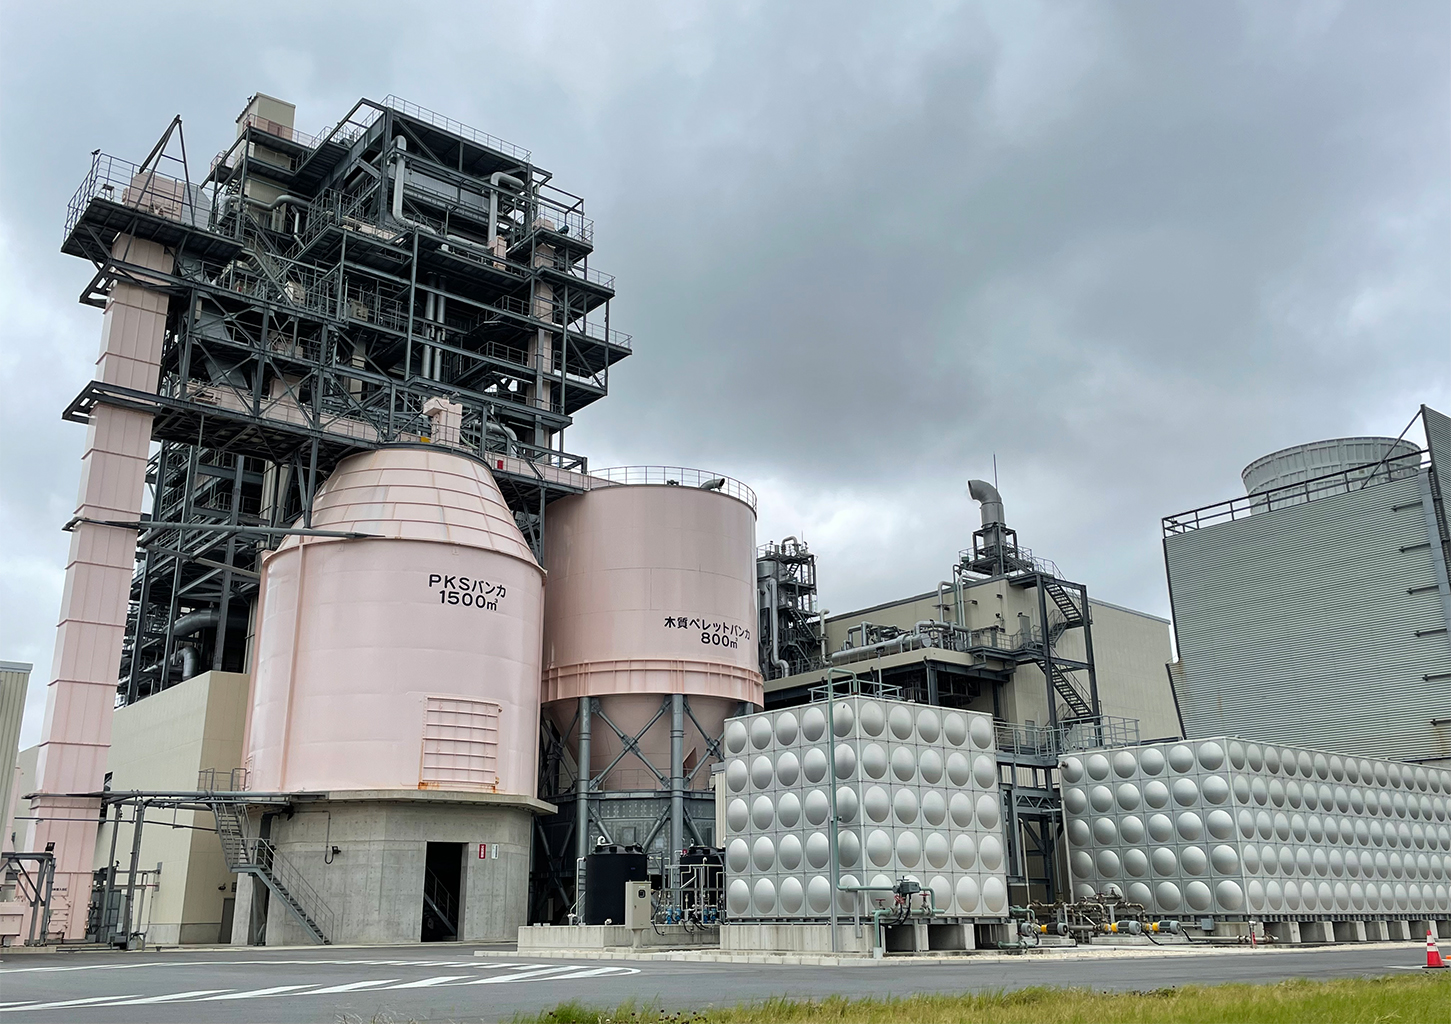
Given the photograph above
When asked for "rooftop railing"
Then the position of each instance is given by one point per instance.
(1340, 482)
(122, 182)
(448, 124)
(676, 476)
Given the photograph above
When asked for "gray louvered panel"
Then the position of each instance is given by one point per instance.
(1297, 626)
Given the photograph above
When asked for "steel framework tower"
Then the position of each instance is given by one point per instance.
(399, 277)
(330, 294)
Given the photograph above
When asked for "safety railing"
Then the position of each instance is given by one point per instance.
(307, 898)
(1340, 482)
(675, 476)
(222, 780)
(1044, 741)
(122, 182)
(458, 128)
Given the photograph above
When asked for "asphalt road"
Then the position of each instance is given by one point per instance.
(451, 984)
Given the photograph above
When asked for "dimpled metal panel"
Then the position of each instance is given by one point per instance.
(1231, 828)
(916, 796)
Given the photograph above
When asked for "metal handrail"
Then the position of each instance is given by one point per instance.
(673, 476)
(286, 874)
(122, 182)
(1339, 482)
(448, 124)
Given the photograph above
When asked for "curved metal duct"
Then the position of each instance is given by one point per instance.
(992, 502)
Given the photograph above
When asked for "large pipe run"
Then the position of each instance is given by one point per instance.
(495, 179)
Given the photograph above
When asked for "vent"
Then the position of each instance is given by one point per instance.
(460, 745)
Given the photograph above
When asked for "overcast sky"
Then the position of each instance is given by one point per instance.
(862, 248)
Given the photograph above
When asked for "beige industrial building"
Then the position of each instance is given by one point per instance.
(1131, 649)
(988, 639)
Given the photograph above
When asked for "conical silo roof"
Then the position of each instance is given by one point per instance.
(418, 493)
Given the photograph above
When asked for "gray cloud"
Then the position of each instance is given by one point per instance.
(1127, 248)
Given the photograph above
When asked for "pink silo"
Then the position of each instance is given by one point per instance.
(651, 613)
(407, 660)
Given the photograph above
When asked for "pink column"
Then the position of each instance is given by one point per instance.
(82, 693)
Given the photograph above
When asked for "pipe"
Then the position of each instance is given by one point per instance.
(992, 502)
(879, 648)
(942, 605)
(500, 428)
(400, 145)
(494, 180)
(821, 627)
(188, 661)
(279, 201)
(191, 623)
(677, 784)
(713, 485)
(776, 658)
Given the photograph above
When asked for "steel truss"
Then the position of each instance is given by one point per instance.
(675, 812)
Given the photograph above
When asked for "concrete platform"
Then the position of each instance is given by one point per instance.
(542, 939)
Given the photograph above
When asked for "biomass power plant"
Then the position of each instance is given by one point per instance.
(354, 649)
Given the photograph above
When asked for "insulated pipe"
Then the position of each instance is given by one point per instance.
(189, 624)
(400, 144)
(879, 648)
(992, 502)
(279, 201)
(776, 658)
(499, 428)
(494, 180)
(187, 656)
(941, 604)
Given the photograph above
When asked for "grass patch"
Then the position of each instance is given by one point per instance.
(1407, 999)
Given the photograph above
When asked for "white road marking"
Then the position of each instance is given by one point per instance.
(256, 992)
(442, 979)
(514, 973)
(170, 997)
(350, 987)
(65, 1002)
(593, 972)
(535, 974)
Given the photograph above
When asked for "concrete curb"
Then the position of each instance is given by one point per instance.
(1058, 953)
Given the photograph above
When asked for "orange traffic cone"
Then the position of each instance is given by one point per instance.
(1433, 955)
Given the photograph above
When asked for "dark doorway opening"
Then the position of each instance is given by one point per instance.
(442, 888)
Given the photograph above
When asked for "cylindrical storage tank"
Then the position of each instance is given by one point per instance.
(1358, 457)
(608, 868)
(407, 660)
(652, 591)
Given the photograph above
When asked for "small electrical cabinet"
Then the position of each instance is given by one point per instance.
(637, 905)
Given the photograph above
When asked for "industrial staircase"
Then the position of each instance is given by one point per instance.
(259, 858)
(1070, 616)
(1073, 699)
(437, 898)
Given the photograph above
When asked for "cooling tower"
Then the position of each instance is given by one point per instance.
(652, 591)
(409, 659)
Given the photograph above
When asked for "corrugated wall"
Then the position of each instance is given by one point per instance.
(1300, 626)
(14, 681)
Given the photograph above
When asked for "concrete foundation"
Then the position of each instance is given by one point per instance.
(539, 937)
(1283, 931)
(374, 883)
(1349, 931)
(795, 938)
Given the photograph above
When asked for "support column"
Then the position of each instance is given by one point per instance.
(82, 692)
(581, 802)
(677, 783)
